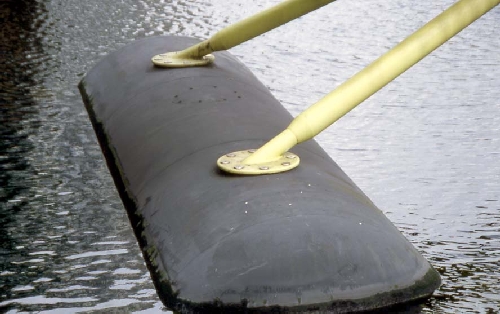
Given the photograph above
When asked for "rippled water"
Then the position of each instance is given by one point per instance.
(425, 149)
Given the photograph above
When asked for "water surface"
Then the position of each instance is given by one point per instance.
(425, 149)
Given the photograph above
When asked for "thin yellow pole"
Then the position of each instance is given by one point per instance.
(242, 31)
(372, 78)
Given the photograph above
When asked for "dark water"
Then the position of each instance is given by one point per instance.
(426, 148)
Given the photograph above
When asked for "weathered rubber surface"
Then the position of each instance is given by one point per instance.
(305, 240)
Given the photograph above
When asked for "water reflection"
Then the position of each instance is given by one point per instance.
(16, 102)
(17, 109)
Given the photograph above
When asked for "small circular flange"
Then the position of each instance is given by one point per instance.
(234, 163)
(172, 60)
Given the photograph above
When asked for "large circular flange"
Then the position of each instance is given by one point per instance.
(234, 163)
(172, 60)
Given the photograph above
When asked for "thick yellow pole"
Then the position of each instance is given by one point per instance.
(239, 32)
(375, 76)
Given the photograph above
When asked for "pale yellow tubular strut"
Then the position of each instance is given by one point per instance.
(238, 33)
(375, 76)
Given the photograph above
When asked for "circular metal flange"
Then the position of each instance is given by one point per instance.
(171, 60)
(234, 163)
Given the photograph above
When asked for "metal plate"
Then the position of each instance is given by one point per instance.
(172, 60)
(234, 163)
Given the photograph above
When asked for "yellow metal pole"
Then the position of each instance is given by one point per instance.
(238, 33)
(368, 81)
